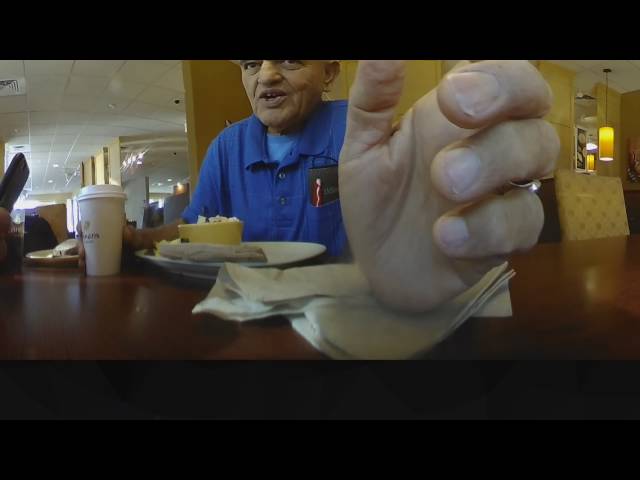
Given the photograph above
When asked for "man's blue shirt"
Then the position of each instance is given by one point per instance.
(275, 200)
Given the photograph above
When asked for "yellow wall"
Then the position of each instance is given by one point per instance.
(114, 166)
(610, 169)
(99, 161)
(213, 93)
(88, 172)
(56, 217)
(421, 76)
(561, 116)
(340, 87)
(114, 162)
(342, 84)
(629, 128)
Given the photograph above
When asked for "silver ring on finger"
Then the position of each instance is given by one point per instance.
(531, 185)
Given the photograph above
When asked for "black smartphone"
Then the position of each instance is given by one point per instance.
(14, 180)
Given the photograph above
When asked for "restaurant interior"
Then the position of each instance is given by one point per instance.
(146, 125)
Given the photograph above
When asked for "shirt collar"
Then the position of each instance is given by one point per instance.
(314, 138)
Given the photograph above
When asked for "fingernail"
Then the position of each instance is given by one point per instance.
(453, 231)
(475, 91)
(462, 167)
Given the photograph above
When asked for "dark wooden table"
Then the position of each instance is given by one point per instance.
(139, 314)
(576, 300)
(571, 300)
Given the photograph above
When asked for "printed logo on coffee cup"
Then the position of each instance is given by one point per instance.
(88, 236)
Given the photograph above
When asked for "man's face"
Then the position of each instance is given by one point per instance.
(283, 93)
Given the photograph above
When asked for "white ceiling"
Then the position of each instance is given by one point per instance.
(165, 161)
(624, 76)
(72, 108)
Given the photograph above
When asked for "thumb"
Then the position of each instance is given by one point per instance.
(373, 99)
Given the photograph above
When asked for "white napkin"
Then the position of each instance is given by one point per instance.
(332, 307)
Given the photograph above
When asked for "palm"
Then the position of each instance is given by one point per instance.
(390, 207)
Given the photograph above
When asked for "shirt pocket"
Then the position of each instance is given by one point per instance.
(324, 225)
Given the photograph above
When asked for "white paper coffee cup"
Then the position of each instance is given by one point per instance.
(102, 220)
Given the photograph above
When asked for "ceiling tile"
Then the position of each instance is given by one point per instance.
(48, 67)
(58, 157)
(84, 150)
(13, 104)
(78, 103)
(74, 117)
(57, 149)
(45, 118)
(139, 123)
(69, 129)
(102, 118)
(39, 138)
(86, 85)
(40, 148)
(110, 106)
(44, 103)
(159, 96)
(171, 116)
(13, 119)
(64, 138)
(144, 71)
(11, 68)
(172, 79)
(97, 68)
(19, 139)
(46, 84)
(119, 89)
(141, 109)
(94, 139)
(40, 130)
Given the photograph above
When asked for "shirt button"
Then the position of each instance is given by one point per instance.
(281, 175)
(283, 201)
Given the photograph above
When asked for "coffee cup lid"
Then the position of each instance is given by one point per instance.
(99, 191)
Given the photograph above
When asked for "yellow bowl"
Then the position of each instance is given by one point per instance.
(221, 233)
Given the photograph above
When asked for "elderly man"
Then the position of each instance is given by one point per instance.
(263, 169)
(417, 198)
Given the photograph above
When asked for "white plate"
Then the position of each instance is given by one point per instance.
(45, 258)
(277, 253)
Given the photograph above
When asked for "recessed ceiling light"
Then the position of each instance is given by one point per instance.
(50, 181)
(55, 165)
(159, 184)
(169, 179)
